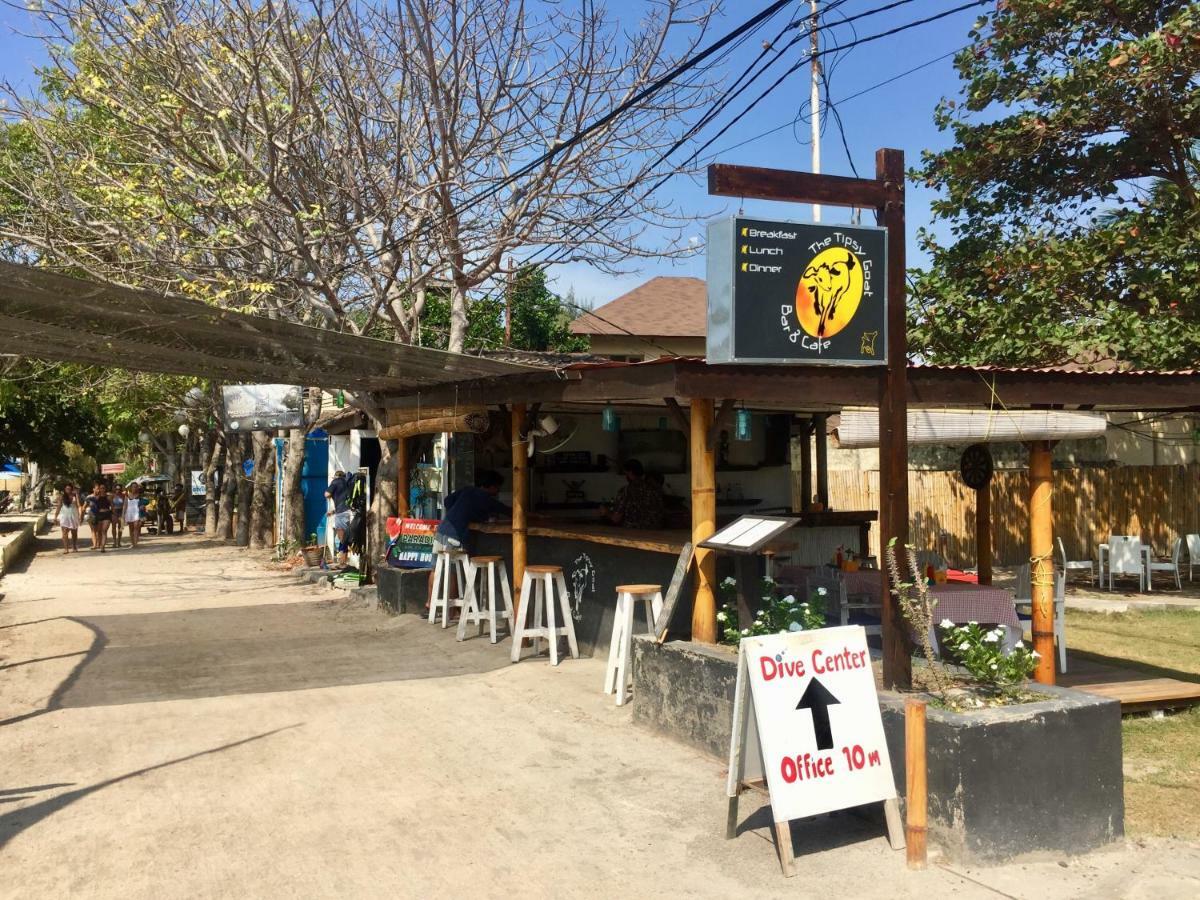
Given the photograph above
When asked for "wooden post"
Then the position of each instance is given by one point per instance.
(893, 416)
(806, 485)
(983, 533)
(822, 436)
(1041, 552)
(520, 500)
(402, 508)
(704, 521)
(916, 800)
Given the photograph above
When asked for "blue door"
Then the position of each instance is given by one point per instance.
(314, 478)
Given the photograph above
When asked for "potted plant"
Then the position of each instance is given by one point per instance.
(313, 552)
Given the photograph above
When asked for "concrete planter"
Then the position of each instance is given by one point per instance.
(1042, 776)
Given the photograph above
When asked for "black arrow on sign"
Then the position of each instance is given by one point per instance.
(818, 699)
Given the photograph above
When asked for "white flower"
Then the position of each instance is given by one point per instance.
(995, 666)
(991, 637)
(795, 626)
(964, 646)
(729, 582)
(821, 592)
(972, 622)
(1036, 655)
(946, 623)
(768, 579)
(1019, 645)
(721, 617)
(804, 606)
(745, 631)
(789, 599)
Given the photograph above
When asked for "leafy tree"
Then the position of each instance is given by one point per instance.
(1071, 190)
(38, 417)
(541, 318)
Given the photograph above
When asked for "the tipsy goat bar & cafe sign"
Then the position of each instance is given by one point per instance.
(810, 726)
(786, 292)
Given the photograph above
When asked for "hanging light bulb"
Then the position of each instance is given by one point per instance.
(742, 425)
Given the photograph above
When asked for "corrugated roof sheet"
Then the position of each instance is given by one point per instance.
(49, 316)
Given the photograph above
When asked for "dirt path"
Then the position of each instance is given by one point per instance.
(181, 722)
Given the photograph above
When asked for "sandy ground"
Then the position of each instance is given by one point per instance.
(179, 721)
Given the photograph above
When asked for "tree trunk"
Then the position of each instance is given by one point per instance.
(262, 506)
(245, 491)
(458, 319)
(215, 449)
(293, 470)
(383, 503)
(229, 486)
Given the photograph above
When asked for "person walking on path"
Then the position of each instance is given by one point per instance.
(132, 513)
(118, 517)
(67, 514)
(99, 515)
(179, 501)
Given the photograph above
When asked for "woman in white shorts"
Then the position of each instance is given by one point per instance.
(132, 513)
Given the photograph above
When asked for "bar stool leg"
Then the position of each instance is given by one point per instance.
(521, 626)
(506, 593)
(468, 609)
(626, 649)
(551, 625)
(489, 577)
(439, 569)
(656, 604)
(614, 648)
(568, 621)
(538, 629)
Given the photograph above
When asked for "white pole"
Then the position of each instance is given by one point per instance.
(815, 101)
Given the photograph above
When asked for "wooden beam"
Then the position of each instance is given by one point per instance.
(402, 508)
(983, 533)
(704, 522)
(801, 187)
(893, 419)
(1041, 553)
(677, 413)
(520, 504)
(806, 486)
(821, 432)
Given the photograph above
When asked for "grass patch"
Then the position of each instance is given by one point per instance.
(1162, 756)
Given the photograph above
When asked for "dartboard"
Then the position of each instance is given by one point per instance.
(976, 466)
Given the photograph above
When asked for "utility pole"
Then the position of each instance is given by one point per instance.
(508, 289)
(815, 101)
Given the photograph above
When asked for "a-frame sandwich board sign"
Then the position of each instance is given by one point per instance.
(806, 722)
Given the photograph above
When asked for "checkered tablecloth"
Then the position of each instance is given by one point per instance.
(963, 603)
(864, 582)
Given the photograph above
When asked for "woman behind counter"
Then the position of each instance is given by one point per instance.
(639, 504)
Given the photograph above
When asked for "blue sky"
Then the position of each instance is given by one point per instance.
(897, 115)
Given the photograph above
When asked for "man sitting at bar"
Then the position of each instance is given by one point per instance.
(639, 504)
(467, 505)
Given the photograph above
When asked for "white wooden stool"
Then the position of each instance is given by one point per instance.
(538, 587)
(615, 676)
(450, 565)
(481, 601)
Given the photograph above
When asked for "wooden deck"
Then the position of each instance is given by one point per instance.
(1138, 690)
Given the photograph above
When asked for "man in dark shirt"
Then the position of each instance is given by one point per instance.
(467, 505)
(640, 503)
(337, 492)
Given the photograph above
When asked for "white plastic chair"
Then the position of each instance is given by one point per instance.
(1075, 565)
(1025, 615)
(1125, 558)
(1171, 566)
(1193, 547)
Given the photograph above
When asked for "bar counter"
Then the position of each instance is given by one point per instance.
(595, 559)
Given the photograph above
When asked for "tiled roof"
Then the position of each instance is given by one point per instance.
(666, 306)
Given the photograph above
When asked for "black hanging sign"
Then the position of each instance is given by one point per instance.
(786, 292)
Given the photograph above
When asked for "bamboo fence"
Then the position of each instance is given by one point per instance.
(1159, 503)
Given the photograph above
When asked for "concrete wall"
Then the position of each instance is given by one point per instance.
(1042, 776)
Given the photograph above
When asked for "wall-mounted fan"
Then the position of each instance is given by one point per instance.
(550, 427)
